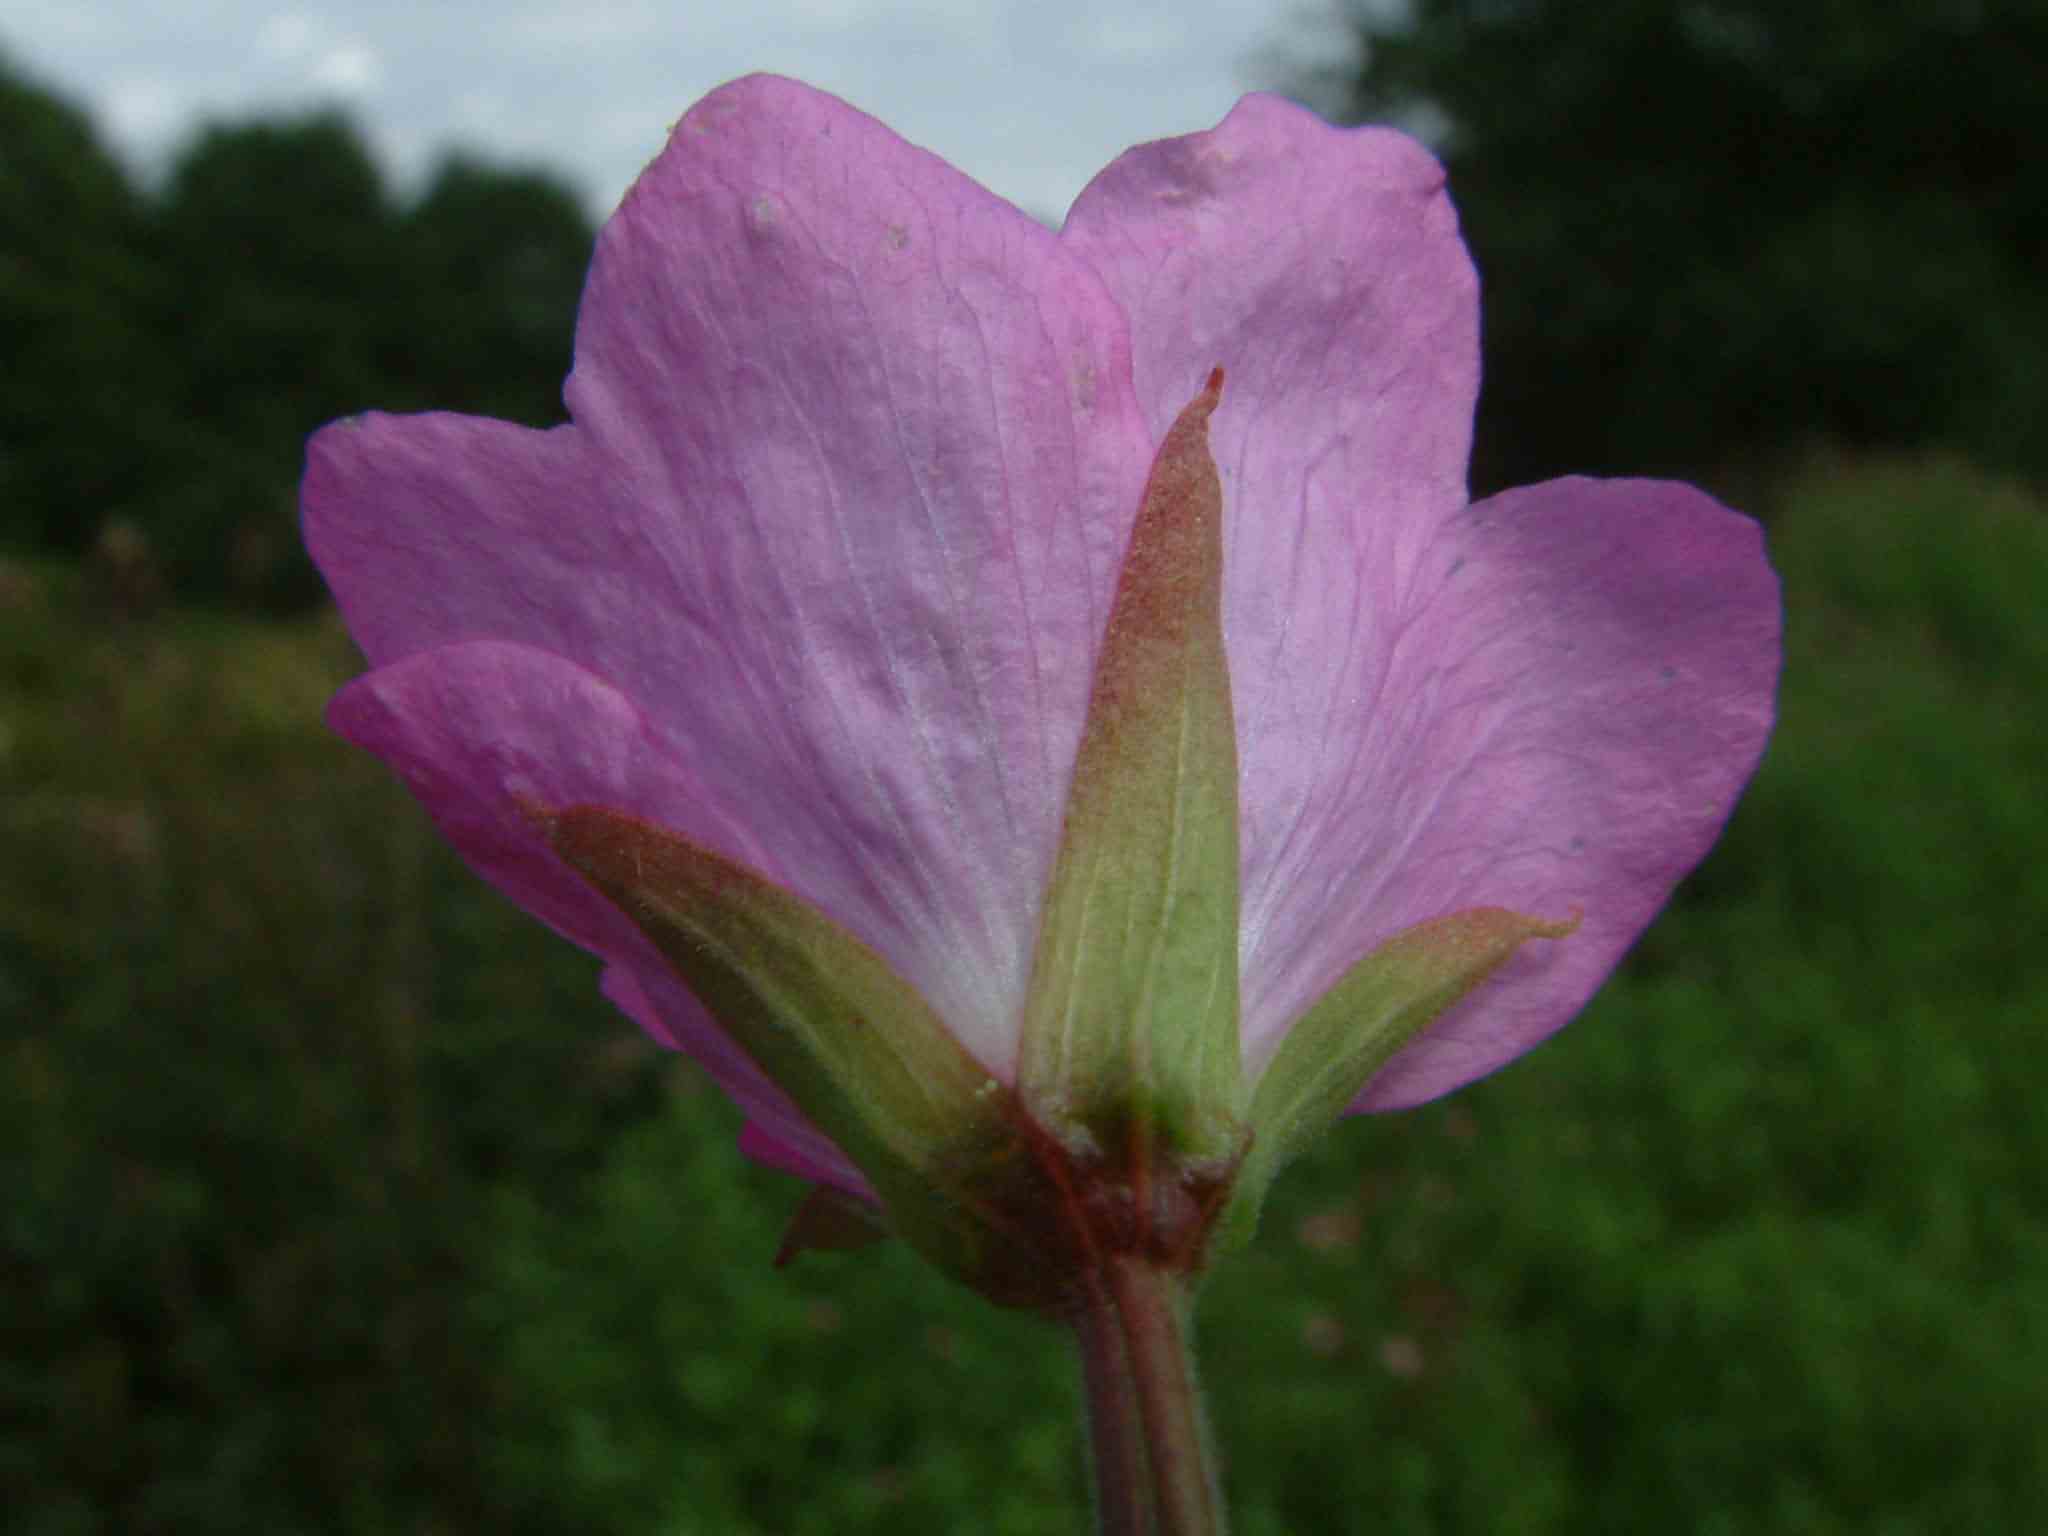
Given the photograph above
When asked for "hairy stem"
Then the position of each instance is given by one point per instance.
(1155, 1468)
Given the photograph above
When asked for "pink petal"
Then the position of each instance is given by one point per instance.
(776, 1132)
(802, 1151)
(1322, 269)
(474, 729)
(1562, 708)
(1412, 742)
(853, 460)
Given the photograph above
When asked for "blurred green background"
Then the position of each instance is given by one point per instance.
(336, 1201)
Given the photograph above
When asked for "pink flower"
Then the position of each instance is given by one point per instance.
(818, 576)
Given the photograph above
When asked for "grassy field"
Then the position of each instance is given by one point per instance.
(338, 1201)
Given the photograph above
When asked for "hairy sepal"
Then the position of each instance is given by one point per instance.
(1129, 1050)
(854, 1045)
(1332, 1051)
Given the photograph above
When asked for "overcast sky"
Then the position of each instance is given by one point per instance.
(1032, 97)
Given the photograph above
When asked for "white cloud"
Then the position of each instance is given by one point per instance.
(351, 69)
(1132, 37)
(142, 109)
(288, 36)
(588, 28)
(835, 15)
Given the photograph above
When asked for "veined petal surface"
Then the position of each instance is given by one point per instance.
(1545, 702)
(1583, 680)
(818, 574)
(853, 456)
(479, 730)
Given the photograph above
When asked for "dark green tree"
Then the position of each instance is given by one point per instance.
(82, 428)
(1711, 232)
(285, 286)
(302, 292)
(166, 357)
(495, 262)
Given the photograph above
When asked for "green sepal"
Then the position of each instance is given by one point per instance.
(1129, 1047)
(852, 1043)
(1332, 1051)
